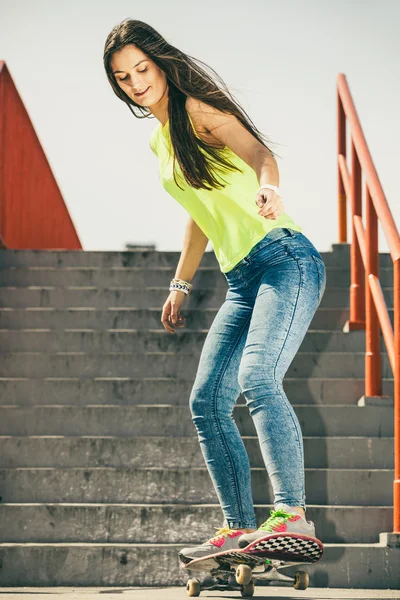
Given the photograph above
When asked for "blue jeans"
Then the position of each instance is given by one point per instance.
(272, 297)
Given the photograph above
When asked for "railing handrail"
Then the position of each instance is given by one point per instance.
(368, 309)
(378, 196)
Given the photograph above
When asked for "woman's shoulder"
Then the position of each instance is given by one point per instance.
(153, 140)
(195, 109)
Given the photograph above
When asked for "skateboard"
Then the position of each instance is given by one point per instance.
(262, 559)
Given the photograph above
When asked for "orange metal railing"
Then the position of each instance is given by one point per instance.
(32, 210)
(368, 308)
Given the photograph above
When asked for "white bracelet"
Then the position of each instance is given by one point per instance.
(180, 285)
(275, 188)
(179, 288)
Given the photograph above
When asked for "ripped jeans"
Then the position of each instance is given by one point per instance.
(272, 297)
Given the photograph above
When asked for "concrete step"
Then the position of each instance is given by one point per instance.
(143, 277)
(100, 259)
(167, 390)
(62, 489)
(154, 340)
(351, 452)
(357, 487)
(171, 523)
(130, 297)
(147, 364)
(78, 564)
(116, 420)
(140, 319)
(340, 253)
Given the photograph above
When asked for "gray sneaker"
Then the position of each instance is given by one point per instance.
(284, 520)
(224, 539)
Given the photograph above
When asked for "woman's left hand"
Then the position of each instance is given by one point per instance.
(271, 204)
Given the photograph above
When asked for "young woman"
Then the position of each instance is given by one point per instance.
(216, 164)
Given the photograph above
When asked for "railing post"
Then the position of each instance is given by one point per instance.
(396, 328)
(2, 158)
(342, 206)
(373, 367)
(357, 289)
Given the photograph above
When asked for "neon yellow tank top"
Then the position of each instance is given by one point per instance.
(229, 216)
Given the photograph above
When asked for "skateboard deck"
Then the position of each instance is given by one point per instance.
(262, 559)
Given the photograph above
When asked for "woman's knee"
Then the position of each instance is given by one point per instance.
(253, 378)
(204, 404)
(200, 402)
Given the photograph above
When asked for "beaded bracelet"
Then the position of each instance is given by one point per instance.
(180, 285)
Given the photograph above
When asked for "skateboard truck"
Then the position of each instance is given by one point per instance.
(245, 578)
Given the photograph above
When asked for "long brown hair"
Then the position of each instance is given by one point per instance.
(185, 78)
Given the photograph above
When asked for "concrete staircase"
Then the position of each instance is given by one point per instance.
(102, 477)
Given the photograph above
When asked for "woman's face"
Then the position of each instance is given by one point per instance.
(135, 72)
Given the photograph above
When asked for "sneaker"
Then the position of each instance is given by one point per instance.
(224, 539)
(283, 519)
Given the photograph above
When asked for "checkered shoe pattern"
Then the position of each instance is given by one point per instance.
(288, 546)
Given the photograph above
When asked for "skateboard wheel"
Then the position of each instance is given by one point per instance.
(247, 590)
(301, 580)
(193, 587)
(243, 574)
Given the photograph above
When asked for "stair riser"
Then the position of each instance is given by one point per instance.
(323, 319)
(162, 364)
(102, 299)
(354, 487)
(187, 342)
(187, 525)
(143, 277)
(177, 421)
(145, 257)
(85, 452)
(166, 391)
(352, 567)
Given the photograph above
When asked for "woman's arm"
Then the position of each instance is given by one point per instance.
(229, 131)
(194, 245)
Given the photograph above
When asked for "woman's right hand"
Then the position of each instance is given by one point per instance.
(171, 316)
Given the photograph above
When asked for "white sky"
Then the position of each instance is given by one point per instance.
(280, 60)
